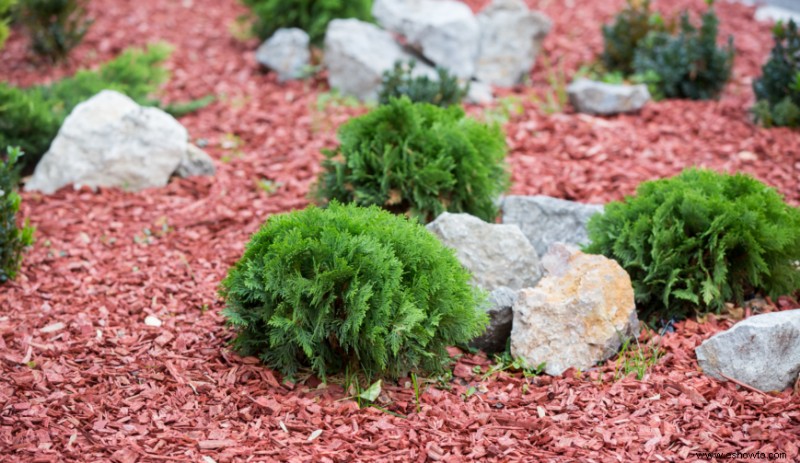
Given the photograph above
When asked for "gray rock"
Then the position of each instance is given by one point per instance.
(110, 141)
(358, 53)
(599, 98)
(762, 351)
(499, 308)
(545, 220)
(286, 53)
(480, 93)
(444, 31)
(195, 162)
(510, 39)
(579, 313)
(497, 255)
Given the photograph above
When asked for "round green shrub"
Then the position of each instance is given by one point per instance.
(695, 241)
(778, 88)
(349, 288)
(417, 159)
(311, 16)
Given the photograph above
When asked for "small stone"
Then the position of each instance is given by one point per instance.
(286, 52)
(600, 98)
(479, 93)
(195, 162)
(152, 320)
(53, 327)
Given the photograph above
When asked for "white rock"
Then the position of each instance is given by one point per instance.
(444, 31)
(775, 13)
(579, 313)
(357, 54)
(480, 93)
(152, 320)
(511, 36)
(762, 351)
(110, 141)
(286, 52)
(600, 98)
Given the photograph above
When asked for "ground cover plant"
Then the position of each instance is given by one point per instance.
(778, 88)
(312, 16)
(693, 242)
(417, 159)
(54, 27)
(353, 289)
(401, 80)
(13, 238)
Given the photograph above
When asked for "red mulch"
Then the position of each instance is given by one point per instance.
(82, 378)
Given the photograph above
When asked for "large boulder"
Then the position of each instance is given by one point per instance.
(762, 351)
(545, 220)
(511, 36)
(599, 98)
(286, 52)
(444, 31)
(579, 314)
(357, 54)
(110, 141)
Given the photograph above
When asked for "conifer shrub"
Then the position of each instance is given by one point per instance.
(348, 288)
(621, 39)
(417, 159)
(55, 27)
(695, 241)
(687, 65)
(13, 239)
(444, 91)
(778, 88)
(5, 20)
(311, 16)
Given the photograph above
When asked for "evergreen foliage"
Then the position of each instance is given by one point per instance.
(348, 288)
(312, 16)
(778, 88)
(417, 159)
(621, 38)
(700, 239)
(13, 239)
(5, 19)
(689, 64)
(444, 91)
(55, 27)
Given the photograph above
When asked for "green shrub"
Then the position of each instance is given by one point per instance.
(30, 118)
(778, 88)
(418, 159)
(55, 27)
(312, 16)
(621, 38)
(5, 19)
(13, 239)
(445, 91)
(700, 239)
(687, 65)
(351, 289)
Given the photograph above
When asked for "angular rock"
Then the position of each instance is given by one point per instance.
(444, 31)
(545, 220)
(497, 255)
(762, 351)
(195, 162)
(600, 98)
(579, 313)
(110, 141)
(510, 39)
(358, 53)
(499, 308)
(286, 53)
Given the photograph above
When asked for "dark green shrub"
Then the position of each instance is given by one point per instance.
(445, 91)
(5, 19)
(55, 27)
(700, 239)
(312, 16)
(13, 239)
(621, 38)
(778, 88)
(687, 65)
(352, 289)
(418, 159)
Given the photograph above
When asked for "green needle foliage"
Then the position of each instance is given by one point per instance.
(5, 19)
(621, 38)
(55, 27)
(13, 239)
(695, 241)
(417, 159)
(312, 16)
(778, 88)
(349, 288)
(444, 91)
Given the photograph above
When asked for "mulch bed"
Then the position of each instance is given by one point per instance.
(83, 378)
